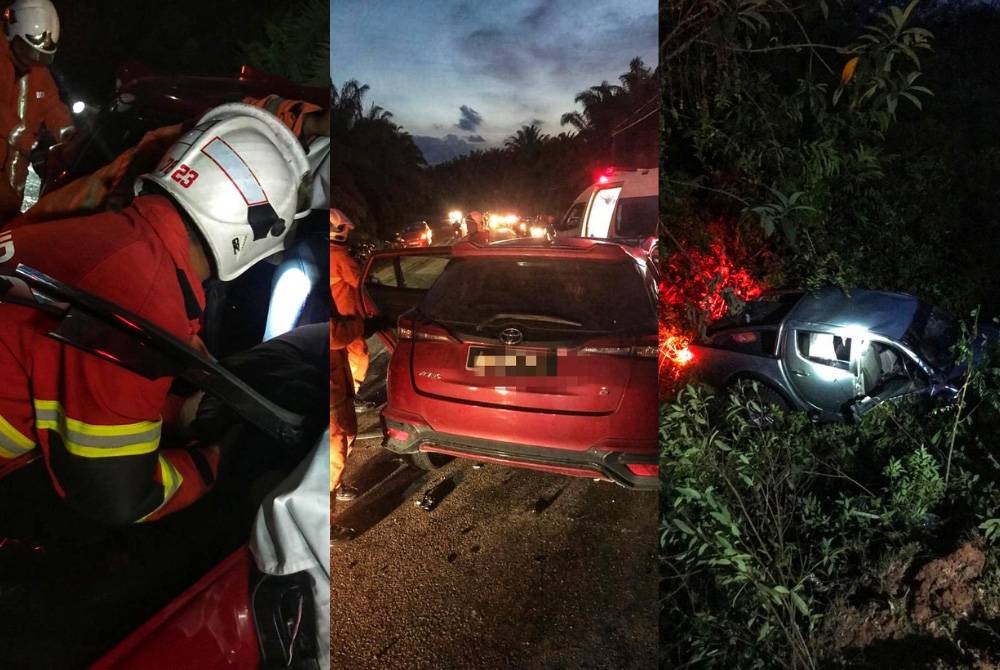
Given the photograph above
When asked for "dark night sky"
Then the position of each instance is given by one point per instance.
(506, 63)
(174, 37)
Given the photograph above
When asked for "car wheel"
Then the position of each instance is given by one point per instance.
(428, 461)
(766, 398)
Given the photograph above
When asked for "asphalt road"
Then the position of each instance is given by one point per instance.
(511, 569)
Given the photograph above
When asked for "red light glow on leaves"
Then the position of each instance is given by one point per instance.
(693, 291)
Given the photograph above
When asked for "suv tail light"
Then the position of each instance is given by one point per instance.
(643, 469)
(641, 349)
(426, 332)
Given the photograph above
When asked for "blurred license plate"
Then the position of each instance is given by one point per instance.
(508, 362)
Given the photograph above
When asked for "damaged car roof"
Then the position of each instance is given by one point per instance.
(887, 314)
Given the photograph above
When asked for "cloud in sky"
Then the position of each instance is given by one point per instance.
(505, 62)
(475, 138)
(470, 119)
(440, 149)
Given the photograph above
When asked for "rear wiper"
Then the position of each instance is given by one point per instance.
(531, 317)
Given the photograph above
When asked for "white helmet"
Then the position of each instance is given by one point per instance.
(340, 226)
(241, 175)
(37, 23)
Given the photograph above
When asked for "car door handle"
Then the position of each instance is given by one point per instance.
(799, 373)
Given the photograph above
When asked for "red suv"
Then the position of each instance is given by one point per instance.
(527, 353)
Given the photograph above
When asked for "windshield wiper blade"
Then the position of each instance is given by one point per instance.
(530, 317)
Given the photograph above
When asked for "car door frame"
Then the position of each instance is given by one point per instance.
(787, 338)
(384, 323)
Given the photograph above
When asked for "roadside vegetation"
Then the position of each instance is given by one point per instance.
(805, 145)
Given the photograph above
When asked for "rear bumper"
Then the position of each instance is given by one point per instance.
(602, 462)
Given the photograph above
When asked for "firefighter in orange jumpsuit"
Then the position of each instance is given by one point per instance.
(29, 98)
(221, 199)
(348, 350)
(345, 277)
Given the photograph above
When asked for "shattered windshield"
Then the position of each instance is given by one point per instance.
(934, 334)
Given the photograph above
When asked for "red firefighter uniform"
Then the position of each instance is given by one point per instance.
(97, 425)
(345, 277)
(27, 102)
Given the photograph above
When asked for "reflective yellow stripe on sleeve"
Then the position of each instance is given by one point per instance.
(95, 440)
(172, 481)
(12, 442)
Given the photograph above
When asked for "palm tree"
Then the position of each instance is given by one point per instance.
(527, 139)
(599, 107)
(638, 78)
(376, 113)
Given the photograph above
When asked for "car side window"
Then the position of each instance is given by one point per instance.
(824, 348)
(573, 218)
(881, 364)
(420, 272)
(382, 272)
(753, 342)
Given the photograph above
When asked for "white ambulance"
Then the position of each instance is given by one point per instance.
(622, 204)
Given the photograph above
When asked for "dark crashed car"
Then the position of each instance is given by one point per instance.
(836, 355)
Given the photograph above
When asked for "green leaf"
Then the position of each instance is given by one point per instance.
(684, 528)
(800, 603)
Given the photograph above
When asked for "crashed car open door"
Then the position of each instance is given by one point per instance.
(394, 282)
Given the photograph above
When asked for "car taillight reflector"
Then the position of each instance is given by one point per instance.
(406, 333)
(397, 434)
(431, 337)
(650, 351)
(643, 469)
(607, 351)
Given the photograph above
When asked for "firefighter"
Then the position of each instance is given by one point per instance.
(345, 277)
(221, 199)
(474, 223)
(29, 98)
(109, 187)
(348, 350)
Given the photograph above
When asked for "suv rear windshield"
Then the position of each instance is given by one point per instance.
(600, 297)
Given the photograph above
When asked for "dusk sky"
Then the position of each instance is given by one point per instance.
(481, 70)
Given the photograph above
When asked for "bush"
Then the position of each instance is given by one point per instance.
(766, 529)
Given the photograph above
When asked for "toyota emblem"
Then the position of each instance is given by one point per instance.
(511, 336)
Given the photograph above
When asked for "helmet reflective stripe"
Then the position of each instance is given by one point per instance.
(236, 169)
